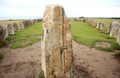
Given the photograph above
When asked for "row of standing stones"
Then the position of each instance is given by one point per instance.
(10, 29)
(113, 29)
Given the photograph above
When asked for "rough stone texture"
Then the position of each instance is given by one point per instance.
(3, 33)
(114, 29)
(95, 24)
(15, 26)
(118, 37)
(109, 29)
(98, 25)
(57, 55)
(22, 25)
(101, 26)
(6, 31)
(10, 29)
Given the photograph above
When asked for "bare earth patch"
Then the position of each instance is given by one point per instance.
(21, 63)
(92, 63)
(88, 63)
(103, 44)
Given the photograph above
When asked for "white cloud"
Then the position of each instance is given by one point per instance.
(35, 8)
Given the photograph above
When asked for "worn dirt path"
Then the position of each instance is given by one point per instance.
(88, 63)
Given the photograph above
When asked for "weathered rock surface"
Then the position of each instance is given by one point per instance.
(16, 27)
(56, 43)
(114, 29)
(22, 26)
(10, 29)
(3, 34)
(101, 26)
(118, 37)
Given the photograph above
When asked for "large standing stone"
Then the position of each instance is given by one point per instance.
(56, 45)
(22, 25)
(109, 28)
(118, 37)
(10, 29)
(114, 29)
(5, 27)
(3, 33)
(97, 25)
(101, 26)
(15, 26)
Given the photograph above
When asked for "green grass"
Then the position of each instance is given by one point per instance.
(106, 22)
(26, 37)
(1, 56)
(41, 75)
(87, 35)
(10, 22)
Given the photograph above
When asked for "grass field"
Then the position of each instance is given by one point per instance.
(26, 37)
(87, 35)
(106, 22)
(82, 33)
(9, 22)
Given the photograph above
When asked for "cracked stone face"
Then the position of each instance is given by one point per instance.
(57, 55)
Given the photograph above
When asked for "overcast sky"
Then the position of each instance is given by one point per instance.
(10, 9)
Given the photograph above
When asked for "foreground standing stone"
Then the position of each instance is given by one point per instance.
(56, 43)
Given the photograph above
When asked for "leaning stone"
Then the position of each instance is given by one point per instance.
(56, 43)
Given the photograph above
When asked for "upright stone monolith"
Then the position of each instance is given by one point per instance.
(102, 26)
(16, 27)
(3, 33)
(57, 55)
(114, 29)
(118, 37)
(10, 29)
